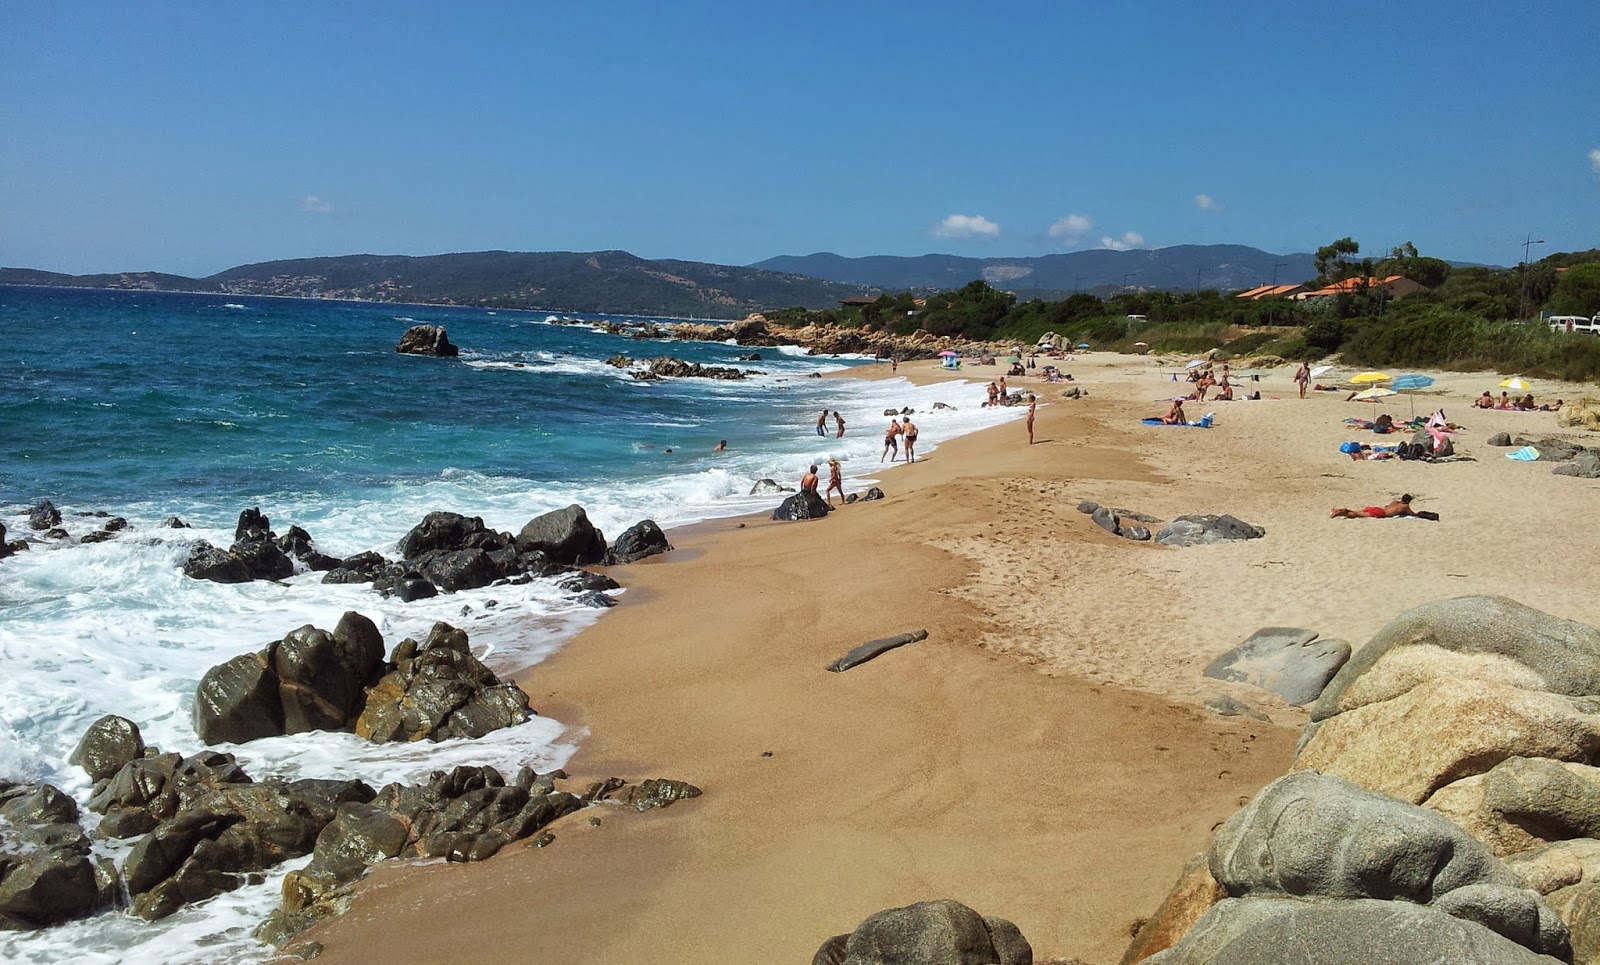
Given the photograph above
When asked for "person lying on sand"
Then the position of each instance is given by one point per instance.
(1399, 507)
(1549, 407)
(1175, 416)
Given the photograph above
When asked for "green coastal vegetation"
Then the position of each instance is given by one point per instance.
(1464, 319)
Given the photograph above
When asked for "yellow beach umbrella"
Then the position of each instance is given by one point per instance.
(1367, 378)
(1516, 383)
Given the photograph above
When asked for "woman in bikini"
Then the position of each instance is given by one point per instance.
(1033, 404)
(834, 482)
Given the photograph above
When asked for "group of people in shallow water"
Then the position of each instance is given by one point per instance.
(1524, 404)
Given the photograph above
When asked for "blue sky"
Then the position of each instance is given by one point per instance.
(190, 137)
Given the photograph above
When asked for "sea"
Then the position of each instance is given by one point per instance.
(148, 405)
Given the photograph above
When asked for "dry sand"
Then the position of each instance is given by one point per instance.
(1043, 756)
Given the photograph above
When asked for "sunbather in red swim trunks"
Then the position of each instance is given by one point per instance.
(1400, 507)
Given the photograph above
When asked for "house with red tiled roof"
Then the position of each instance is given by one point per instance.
(1271, 291)
(1395, 286)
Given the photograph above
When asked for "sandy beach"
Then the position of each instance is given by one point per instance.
(1044, 755)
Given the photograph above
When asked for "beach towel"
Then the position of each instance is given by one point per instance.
(1525, 454)
(1204, 423)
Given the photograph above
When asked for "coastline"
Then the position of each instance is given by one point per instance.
(1043, 756)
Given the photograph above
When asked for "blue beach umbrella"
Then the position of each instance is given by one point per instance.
(1411, 380)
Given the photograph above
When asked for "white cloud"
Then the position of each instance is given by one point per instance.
(1206, 202)
(1594, 161)
(967, 226)
(1071, 227)
(1129, 239)
(311, 204)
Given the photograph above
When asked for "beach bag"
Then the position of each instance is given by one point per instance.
(1443, 447)
(1349, 448)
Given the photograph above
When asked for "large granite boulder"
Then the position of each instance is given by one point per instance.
(47, 874)
(565, 536)
(437, 689)
(1288, 661)
(1322, 844)
(1197, 530)
(1268, 931)
(640, 540)
(427, 340)
(1524, 803)
(1188, 901)
(940, 932)
(106, 746)
(806, 505)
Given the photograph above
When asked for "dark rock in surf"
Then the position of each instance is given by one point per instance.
(565, 535)
(805, 505)
(437, 689)
(262, 558)
(597, 600)
(206, 562)
(763, 486)
(114, 524)
(750, 357)
(57, 533)
(449, 531)
(237, 701)
(5, 549)
(253, 524)
(44, 516)
(47, 874)
(452, 570)
(107, 745)
(173, 522)
(413, 587)
(584, 581)
(427, 340)
(322, 676)
(642, 539)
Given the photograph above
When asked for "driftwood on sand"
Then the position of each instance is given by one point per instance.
(873, 648)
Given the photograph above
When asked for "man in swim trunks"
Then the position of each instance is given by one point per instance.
(822, 421)
(891, 440)
(1400, 507)
(909, 430)
(839, 419)
(808, 482)
(834, 482)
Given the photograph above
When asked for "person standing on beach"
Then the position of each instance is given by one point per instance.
(909, 430)
(835, 481)
(1302, 378)
(1033, 404)
(894, 363)
(838, 418)
(822, 422)
(891, 440)
(1005, 397)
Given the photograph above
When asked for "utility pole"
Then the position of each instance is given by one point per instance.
(1522, 310)
(1275, 267)
(1077, 284)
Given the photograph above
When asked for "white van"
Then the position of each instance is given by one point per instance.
(1575, 324)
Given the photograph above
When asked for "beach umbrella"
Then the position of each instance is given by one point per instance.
(1320, 371)
(1083, 344)
(1516, 383)
(1411, 381)
(1376, 392)
(1368, 378)
(948, 353)
(1196, 363)
(1141, 344)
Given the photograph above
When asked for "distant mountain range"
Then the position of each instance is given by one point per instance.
(617, 282)
(1101, 270)
(608, 282)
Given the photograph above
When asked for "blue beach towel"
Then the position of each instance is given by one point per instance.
(1525, 454)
